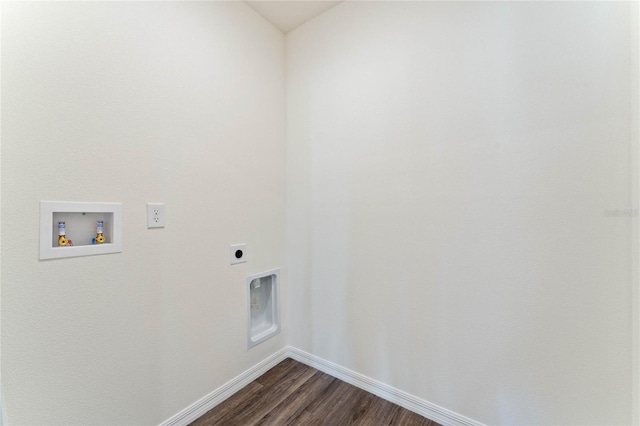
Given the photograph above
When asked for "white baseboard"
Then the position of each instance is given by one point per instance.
(198, 408)
(424, 408)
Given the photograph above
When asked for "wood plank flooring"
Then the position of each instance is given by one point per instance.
(292, 393)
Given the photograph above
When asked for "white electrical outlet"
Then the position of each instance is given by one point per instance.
(237, 253)
(155, 215)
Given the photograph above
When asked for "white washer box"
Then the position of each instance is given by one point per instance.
(81, 224)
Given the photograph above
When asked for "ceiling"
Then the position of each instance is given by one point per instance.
(287, 15)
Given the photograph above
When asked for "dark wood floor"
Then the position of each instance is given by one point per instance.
(292, 393)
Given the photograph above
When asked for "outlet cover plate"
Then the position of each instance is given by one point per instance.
(155, 215)
(237, 253)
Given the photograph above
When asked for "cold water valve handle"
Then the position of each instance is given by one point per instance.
(100, 233)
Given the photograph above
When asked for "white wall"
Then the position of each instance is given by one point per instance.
(449, 167)
(635, 162)
(175, 102)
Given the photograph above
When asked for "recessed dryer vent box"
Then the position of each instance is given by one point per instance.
(81, 222)
(264, 312)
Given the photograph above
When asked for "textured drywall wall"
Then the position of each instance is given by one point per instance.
(635, 166)
(450, 168)
(135, 102)
(2, 415)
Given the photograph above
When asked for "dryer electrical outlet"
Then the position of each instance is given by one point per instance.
(237, 253)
